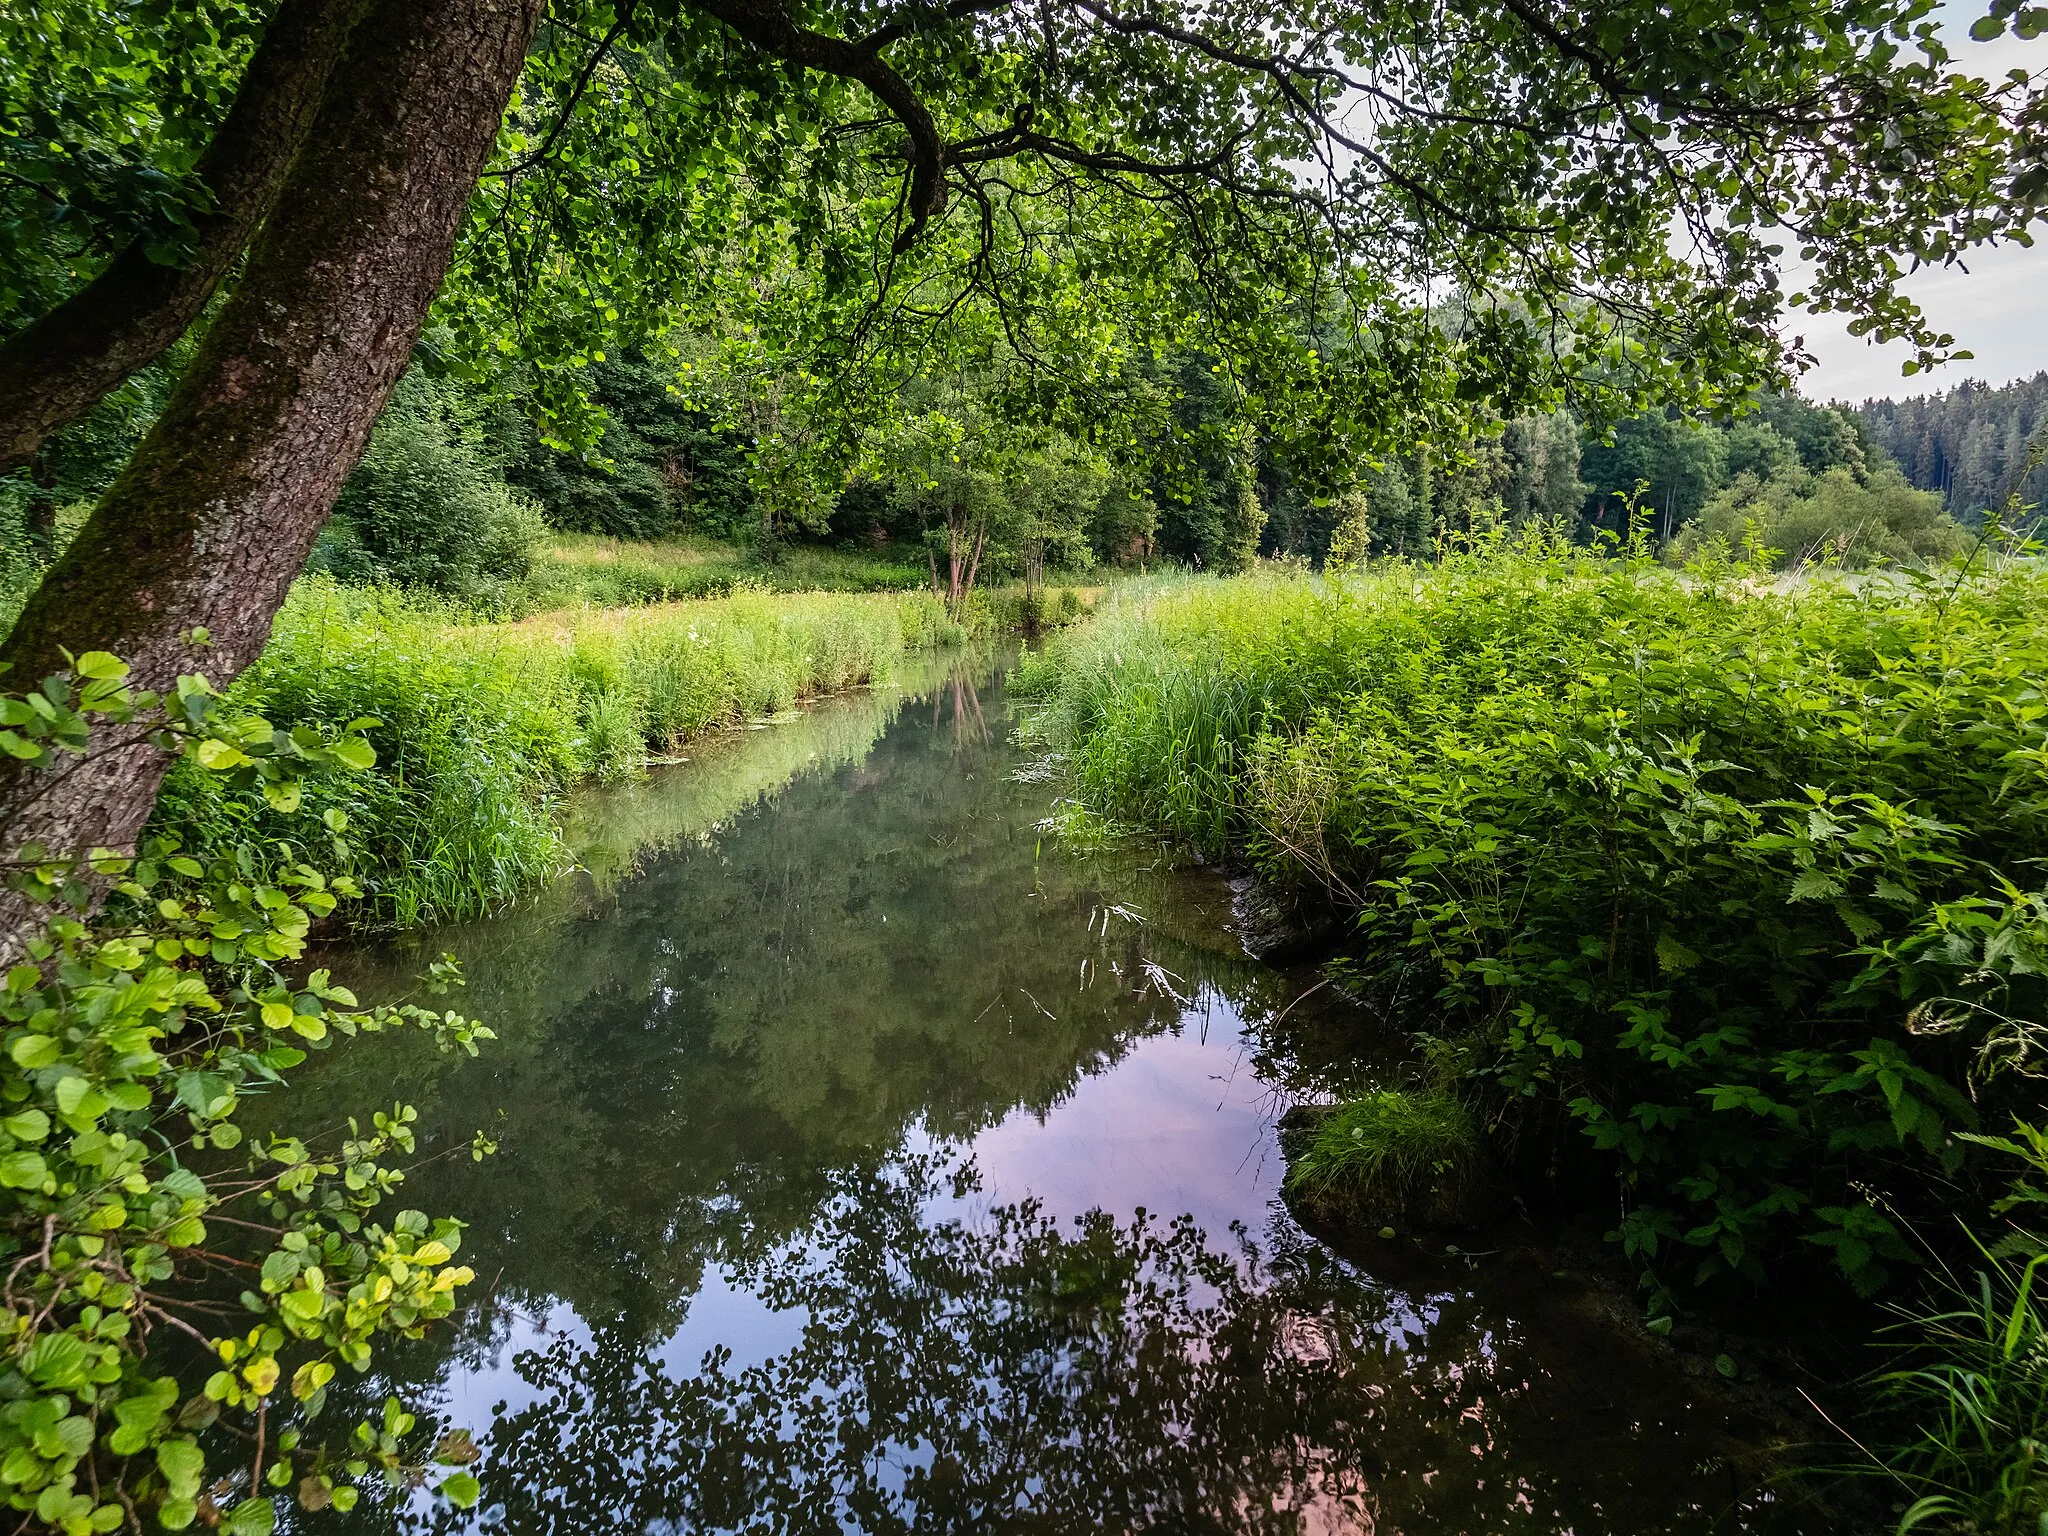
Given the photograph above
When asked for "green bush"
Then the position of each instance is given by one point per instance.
(127, 1189)
(424, 509)
(1833, 518)
(1728, 878)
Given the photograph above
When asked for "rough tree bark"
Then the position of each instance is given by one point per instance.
(218, 509)
(55, 370)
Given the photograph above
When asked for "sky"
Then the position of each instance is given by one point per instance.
(1997, 309)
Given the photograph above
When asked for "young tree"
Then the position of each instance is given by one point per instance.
(942, 466)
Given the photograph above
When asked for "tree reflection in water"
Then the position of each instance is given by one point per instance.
(1003, 1373)
(740, 1067)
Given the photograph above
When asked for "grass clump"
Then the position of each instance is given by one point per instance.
(482, 727)
(1393, 1155)
(1975, 1395)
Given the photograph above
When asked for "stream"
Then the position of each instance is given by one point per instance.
(869, 1162)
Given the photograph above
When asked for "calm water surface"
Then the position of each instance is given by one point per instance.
(870, 1164)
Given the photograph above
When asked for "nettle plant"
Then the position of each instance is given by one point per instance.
(178, 1297)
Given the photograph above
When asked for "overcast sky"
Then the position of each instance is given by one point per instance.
(1998, 309)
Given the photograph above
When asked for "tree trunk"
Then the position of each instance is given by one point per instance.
(57, 369)
(973, 565)
(218, 509)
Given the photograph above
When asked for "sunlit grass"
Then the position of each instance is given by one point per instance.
(481, 726)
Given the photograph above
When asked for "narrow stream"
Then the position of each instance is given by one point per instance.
(868, 1163)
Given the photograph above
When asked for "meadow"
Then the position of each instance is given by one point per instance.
(572, 568)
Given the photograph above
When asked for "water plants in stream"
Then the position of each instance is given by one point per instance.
(866, 1163)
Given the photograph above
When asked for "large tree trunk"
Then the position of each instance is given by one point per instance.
(57, 369)
(218, 509)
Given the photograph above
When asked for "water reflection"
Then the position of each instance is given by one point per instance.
(1019, 1374)
(867, 1165)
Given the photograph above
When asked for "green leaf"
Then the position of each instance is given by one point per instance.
(1815, 885)
(100, 666)
(182, 1464)
(23, 1170)
(74, 1434)
(55, 1361)
(1674, 957)
(252, 1517)
(219, 756)
(33, 1051)
(354, 752)
(462, 1490)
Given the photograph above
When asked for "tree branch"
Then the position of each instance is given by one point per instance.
(602, 47)
(767, 25)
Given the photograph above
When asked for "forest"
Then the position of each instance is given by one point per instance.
(583, 581)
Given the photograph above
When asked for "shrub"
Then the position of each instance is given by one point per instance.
(131, 1039)
(1831, 518)
(1718, 874)
(423, 509)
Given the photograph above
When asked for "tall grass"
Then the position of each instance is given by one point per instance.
(483, 726)
(1974, 1390)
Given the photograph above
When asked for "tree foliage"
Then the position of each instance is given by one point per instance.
(1969, 443)
(131, 1042)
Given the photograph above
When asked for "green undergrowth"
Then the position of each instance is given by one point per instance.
(1724, 890)
(480, 728)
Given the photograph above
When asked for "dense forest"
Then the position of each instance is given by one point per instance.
(1312, 521)
(1969, 443)
(459, 491)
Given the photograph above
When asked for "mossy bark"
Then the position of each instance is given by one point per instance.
(218, 509)
(54, 371)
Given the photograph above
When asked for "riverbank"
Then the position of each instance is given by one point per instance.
(856, 1042)
(482, 727)
(1702, 896)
